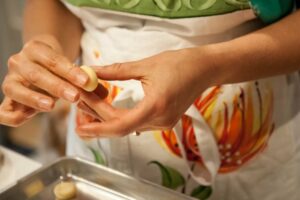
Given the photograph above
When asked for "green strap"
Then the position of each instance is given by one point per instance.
(272, 10)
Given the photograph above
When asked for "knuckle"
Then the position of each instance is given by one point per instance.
(34, 76)
(29, 46)
(57, 88)
(13, 61)
(6, 87)
(71, 71)
(53, 61)
(117, 66)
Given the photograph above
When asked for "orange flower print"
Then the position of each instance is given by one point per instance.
(242, 125)
(96, 54)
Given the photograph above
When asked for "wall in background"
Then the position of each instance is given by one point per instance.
(10, 39)
(10, 30)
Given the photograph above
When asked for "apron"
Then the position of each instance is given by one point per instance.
(236, 142)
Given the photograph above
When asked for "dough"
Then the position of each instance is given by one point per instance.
(34, 188)
(93, 80)
(65, 190)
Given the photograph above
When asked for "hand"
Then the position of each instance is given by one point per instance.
(171, 82)
(14, 114)
(37, 76)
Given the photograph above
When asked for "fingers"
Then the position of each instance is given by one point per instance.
(113, 128)
(123, 123)
(103, 109)
(116, 122)
(18, 92)
(100, 93)
(14, 119)
(54, 62)
(14, 114)
(45, 80)
(39, 68)
(120, 71)
(88, 110)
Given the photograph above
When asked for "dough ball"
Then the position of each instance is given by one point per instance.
(65, 190)
(93, 79)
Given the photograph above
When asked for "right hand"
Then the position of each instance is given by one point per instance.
(37, 76)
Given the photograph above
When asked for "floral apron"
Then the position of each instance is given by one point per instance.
(236, 142)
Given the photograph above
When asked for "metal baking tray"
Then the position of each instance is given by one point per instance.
(92, 181)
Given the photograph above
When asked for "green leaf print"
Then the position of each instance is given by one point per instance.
(102, 1)
(97, 156)
(168, 5)
(199, 5)
(128, 4)
(241, 4)
(202, 192)
(171, 178)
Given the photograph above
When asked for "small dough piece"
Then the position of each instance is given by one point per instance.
(65, 190)
(34, 188)
(92, 83)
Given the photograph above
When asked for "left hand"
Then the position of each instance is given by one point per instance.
(171, 81)
(14, 114)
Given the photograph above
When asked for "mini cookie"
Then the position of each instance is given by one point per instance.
(92, 83)
(65, 190)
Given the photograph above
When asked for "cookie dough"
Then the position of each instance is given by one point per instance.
(65, 190)
(34, 188)
(93, 80)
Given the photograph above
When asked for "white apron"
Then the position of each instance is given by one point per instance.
(242, 139)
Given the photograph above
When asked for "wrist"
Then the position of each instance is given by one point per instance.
(207, 65)
(215, 57)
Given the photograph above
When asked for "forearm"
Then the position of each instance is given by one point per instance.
(271, 51)
(51, 17)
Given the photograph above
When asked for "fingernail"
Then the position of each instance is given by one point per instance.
(45, 104)
(70, 95)
(82, 79)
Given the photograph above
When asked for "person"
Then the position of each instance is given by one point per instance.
(227, 84)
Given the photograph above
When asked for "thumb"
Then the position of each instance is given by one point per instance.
(120, 71)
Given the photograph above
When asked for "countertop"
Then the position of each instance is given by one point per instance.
(15, 166)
